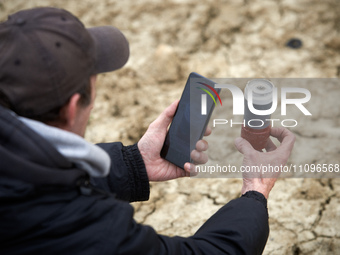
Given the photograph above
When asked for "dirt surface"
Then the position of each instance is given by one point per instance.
(171, 38)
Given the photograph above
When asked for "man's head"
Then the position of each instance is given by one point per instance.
(48, 56)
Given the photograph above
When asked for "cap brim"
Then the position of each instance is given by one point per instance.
(112, 48)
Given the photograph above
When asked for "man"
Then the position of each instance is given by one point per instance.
(62, 195)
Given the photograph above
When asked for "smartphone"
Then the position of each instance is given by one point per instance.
(190, 120)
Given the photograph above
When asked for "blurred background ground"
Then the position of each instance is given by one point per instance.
(236, 38)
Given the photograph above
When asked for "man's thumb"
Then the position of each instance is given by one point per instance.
(165, 118)
(242, 145)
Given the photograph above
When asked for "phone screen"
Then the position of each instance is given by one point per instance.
(190, 120)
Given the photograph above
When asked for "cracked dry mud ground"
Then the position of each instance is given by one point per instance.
(237, 38)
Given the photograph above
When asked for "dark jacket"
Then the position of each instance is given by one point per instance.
(48, 206)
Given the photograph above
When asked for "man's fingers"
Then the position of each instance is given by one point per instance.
(165, 118)
(280, 133)
(286, 138)
(270, 146)
(202, 145)
(207, 131)
(243, 146)
(199, 157)
(190, 169)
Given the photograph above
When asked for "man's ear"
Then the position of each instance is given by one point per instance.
(68, 113)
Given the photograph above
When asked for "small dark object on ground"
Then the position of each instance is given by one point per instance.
(294, 43)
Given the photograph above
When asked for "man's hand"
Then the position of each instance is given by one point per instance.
(150, 146)
(275, 156)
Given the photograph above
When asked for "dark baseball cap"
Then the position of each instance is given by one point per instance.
(47, 55)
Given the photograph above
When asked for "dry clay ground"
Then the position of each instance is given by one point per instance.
(237, 38)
